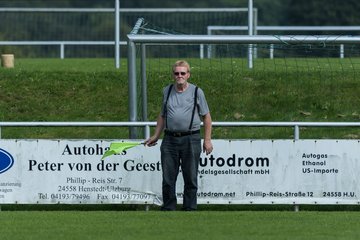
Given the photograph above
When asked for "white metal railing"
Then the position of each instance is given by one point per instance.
(295, 125)
(115, 10)
(61, 44)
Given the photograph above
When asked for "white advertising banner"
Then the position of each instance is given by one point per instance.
(236, 172)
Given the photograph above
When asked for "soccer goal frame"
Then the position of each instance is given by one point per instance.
(135, 40)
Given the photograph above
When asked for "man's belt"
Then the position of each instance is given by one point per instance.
(181, 134)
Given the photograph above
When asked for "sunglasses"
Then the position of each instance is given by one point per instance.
(180, 73)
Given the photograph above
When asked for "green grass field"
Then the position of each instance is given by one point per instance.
(179, 225)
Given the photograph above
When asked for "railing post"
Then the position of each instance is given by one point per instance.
(271, 51)
(209, 47)
(296, 207)
(62, 51)
(342, 51)
(201, 51)
(296, 132)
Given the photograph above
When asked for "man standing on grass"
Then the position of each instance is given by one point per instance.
(183, 106)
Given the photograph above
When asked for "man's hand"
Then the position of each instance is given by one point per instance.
(152, 141)
(207, 147)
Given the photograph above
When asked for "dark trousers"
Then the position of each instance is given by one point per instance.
(181, 152)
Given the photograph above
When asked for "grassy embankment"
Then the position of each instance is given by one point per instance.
(93, 90)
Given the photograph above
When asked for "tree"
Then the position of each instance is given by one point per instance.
(322, 12)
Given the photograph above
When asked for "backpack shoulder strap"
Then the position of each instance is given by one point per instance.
(168, 93)
(195, 104)
(165, 104)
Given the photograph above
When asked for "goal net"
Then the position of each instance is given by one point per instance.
(288, 82)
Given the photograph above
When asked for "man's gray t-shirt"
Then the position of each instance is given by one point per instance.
(180, 106)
